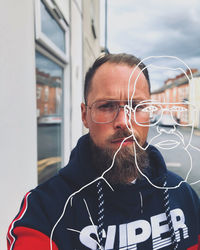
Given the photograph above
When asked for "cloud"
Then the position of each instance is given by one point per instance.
(154, 27)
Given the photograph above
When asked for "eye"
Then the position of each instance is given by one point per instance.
(148, 108)
(135, 103)
(178, 108)
(106, 106)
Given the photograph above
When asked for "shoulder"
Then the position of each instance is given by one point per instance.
(42, 206)
(182, 189)
(173, 179)
(52, 194)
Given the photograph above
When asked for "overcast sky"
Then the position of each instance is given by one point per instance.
(154, 28)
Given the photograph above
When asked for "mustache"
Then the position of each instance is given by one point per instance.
(121, 134)
(175, 136)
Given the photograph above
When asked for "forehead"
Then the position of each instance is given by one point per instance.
(111, 81)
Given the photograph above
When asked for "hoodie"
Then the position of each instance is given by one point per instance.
(63, 213)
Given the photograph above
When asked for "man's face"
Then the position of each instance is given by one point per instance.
(110, 82)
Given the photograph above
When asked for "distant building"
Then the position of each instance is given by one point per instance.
(48, 94)
(178, 90)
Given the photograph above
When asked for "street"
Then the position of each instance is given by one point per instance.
(178, 159)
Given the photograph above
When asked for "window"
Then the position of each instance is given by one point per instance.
(38, 92)
(46, 93)
(167, 95)
(51, 29)
(49, 80)
(174, 95)
(51, 60)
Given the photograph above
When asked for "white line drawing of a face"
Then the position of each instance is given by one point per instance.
(128, 109)
(151, 108)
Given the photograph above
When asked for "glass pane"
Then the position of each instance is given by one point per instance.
(52, 29)
(49, 81)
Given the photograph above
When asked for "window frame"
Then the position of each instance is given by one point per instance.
(49, 56)
(43, 39)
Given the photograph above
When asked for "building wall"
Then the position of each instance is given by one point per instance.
(183, 93)
(194, 98)
(76, 70)
(20, 91)
(18, 144)
(174, 94)
(91, 34)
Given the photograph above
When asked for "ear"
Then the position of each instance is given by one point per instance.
(84, 114)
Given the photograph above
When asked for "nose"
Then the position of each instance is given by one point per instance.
(166, 123)
(166, 129)
(120, 120)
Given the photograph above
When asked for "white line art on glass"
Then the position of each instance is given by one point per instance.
(150, 106)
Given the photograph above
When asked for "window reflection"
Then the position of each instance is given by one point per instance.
(52, 29)
(49, 81)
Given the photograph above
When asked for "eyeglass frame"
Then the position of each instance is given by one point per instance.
(134, 111)
(166, 109)
(119, 106)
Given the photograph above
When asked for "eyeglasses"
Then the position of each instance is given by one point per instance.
(105, 111)
(143, 113)
(153, 112)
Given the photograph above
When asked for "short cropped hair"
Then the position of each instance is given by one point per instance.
(122, 58)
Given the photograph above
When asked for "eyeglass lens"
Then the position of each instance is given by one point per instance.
(153, 112)
(105, 111)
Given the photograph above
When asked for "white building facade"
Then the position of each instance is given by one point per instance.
(194, 98)
(42, 64)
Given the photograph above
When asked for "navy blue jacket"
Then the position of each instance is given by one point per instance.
(54, 216)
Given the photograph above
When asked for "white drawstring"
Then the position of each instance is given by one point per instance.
(141, 202)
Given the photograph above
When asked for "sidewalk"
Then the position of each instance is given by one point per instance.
(197, 131)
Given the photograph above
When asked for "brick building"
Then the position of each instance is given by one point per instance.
(177, 90)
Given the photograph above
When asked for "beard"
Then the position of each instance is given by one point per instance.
(124, 169)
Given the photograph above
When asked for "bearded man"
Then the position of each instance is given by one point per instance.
(101, 199)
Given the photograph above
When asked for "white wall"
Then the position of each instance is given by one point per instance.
(17, 108)
(76, 71)
(18, 126)
(194, 97)
(91, 10)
